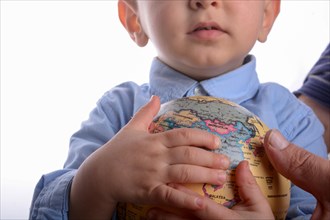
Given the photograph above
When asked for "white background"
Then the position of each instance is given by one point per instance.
(59, 57)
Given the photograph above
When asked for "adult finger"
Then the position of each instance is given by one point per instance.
(306, 170)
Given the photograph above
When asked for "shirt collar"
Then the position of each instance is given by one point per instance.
(238, 85)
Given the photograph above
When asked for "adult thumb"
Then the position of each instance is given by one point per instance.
(306, 170)
(144, 117)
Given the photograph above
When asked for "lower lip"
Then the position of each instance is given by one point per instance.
(207, 34)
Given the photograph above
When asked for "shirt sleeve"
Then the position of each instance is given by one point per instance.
(50, 199)
(317, 83)
(112, 112)
(51, 196)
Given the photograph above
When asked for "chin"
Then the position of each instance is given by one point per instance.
(209, 68)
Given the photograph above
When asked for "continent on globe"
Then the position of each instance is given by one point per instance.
(241, 133)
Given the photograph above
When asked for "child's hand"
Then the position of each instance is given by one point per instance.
(136, 166)
(253, 205)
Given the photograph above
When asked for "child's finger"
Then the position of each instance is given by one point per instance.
(161, 214)
(195, 174)
(211, 210)
(190, 137)
(248, 188)
(144, 117)
(168, 196)
(197, 156)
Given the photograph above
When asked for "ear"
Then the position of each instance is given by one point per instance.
(272, 9)
(127, 11)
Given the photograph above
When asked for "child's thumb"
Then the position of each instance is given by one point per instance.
(144, 117)
(248, 187)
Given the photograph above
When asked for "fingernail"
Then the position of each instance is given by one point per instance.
(277, 140)
(218, 142)
(222, 176)
(199, 202)
(224, 161)
(245, 164)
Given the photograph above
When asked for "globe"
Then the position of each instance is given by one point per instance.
(241, 134)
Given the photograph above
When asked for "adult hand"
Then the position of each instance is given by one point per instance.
(306, 170)
(253, 204)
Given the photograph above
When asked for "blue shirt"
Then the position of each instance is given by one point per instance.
(274, 104)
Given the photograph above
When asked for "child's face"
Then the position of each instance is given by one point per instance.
(203, 38)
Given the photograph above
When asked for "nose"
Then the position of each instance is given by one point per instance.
(202, 4)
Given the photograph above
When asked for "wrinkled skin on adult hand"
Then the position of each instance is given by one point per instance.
(306, 170)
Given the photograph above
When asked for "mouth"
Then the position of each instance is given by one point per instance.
(209, 26)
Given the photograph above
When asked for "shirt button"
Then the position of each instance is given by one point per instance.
(199, 91)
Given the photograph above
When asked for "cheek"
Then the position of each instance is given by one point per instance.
(246, 16)
(160, 36)
(165, 31)
(249, 26)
